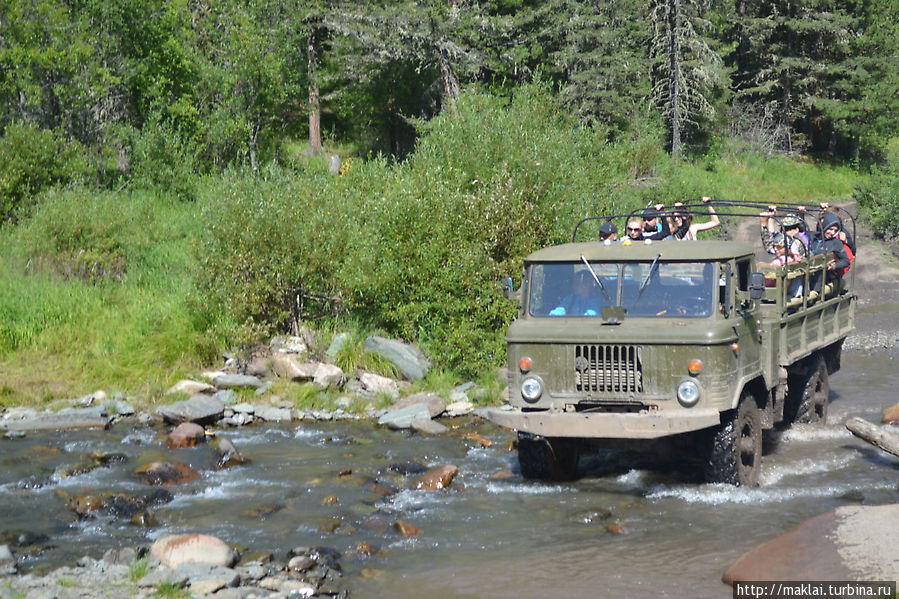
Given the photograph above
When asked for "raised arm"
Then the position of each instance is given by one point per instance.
(710, 224)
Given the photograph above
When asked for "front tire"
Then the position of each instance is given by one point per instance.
(542, 458)
(736, 446)
(808, 395)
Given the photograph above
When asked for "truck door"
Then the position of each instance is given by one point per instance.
(746, 323)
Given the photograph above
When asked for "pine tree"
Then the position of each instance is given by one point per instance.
(686, 69)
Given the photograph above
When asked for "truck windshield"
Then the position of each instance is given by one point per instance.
(672, 289)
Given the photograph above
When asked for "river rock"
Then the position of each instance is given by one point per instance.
(287, 366)
(273, 414)
(166, 473)
(328, 375)
(404, 417)
(337, 344)
(891, 415)
(120, 556)
(200, 409)
(378, 384)
(205, 578)
(228, 454)
(428, 427)
(436, 478)
(235, 381)
(162, 575)
(189, 387)
(406, 529)
(459, 408)
(186, 434)
(289, 345)
(226, 396)
(435, 404)
(408, 359)
(8, 564)
(849, 543)
(67, 419)
(174, 550)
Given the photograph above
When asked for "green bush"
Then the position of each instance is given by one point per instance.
(415, 249)
(878, 195)
(31, 160)
(165, 161)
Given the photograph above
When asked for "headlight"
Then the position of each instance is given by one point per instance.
(688, 393)
(531, 389)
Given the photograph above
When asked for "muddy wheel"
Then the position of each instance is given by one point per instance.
(736, 446)
(807, 395)
(544, 458)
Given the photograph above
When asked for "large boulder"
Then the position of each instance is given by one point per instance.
(852, 543)
(407, 358)
(328, 375)
(287, 366)
(378, 384)
(174, 550)
(201, 409)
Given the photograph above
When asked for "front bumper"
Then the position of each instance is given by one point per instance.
(595, 425)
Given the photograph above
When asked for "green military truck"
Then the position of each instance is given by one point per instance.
(693, 343)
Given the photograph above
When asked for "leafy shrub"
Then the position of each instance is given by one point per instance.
(164, 160)
(415, 249)
(31, 160)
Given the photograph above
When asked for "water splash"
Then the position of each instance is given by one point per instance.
(799, 433)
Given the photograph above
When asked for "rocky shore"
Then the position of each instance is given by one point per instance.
(219, 400)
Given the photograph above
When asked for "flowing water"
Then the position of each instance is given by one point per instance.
(627, 532)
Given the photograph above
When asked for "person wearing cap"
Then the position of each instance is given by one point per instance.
(779, 244)
(608, 232)
(791, 228)
(655, 227)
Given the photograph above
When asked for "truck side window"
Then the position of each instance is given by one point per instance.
(743, 275)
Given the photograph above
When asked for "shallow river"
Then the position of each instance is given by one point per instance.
(628, 533)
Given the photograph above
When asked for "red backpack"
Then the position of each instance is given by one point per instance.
(841, 271)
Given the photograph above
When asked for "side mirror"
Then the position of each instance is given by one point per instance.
(756, 286)
(508, 287)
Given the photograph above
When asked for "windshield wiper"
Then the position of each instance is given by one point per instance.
(652, 269)
(596, 278)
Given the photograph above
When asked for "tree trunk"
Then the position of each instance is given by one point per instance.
(315, 127)
(875, 435)
(674, 65)
(450, 83)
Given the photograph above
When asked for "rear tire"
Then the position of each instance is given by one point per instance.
(736, 446)
(808, 395)
(542, 458)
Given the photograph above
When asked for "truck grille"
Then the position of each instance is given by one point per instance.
(608, 369)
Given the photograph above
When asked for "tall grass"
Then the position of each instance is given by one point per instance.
(93, 294)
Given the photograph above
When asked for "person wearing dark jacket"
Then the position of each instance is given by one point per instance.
(826, 240)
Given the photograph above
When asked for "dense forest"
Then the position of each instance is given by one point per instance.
(169, 159)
